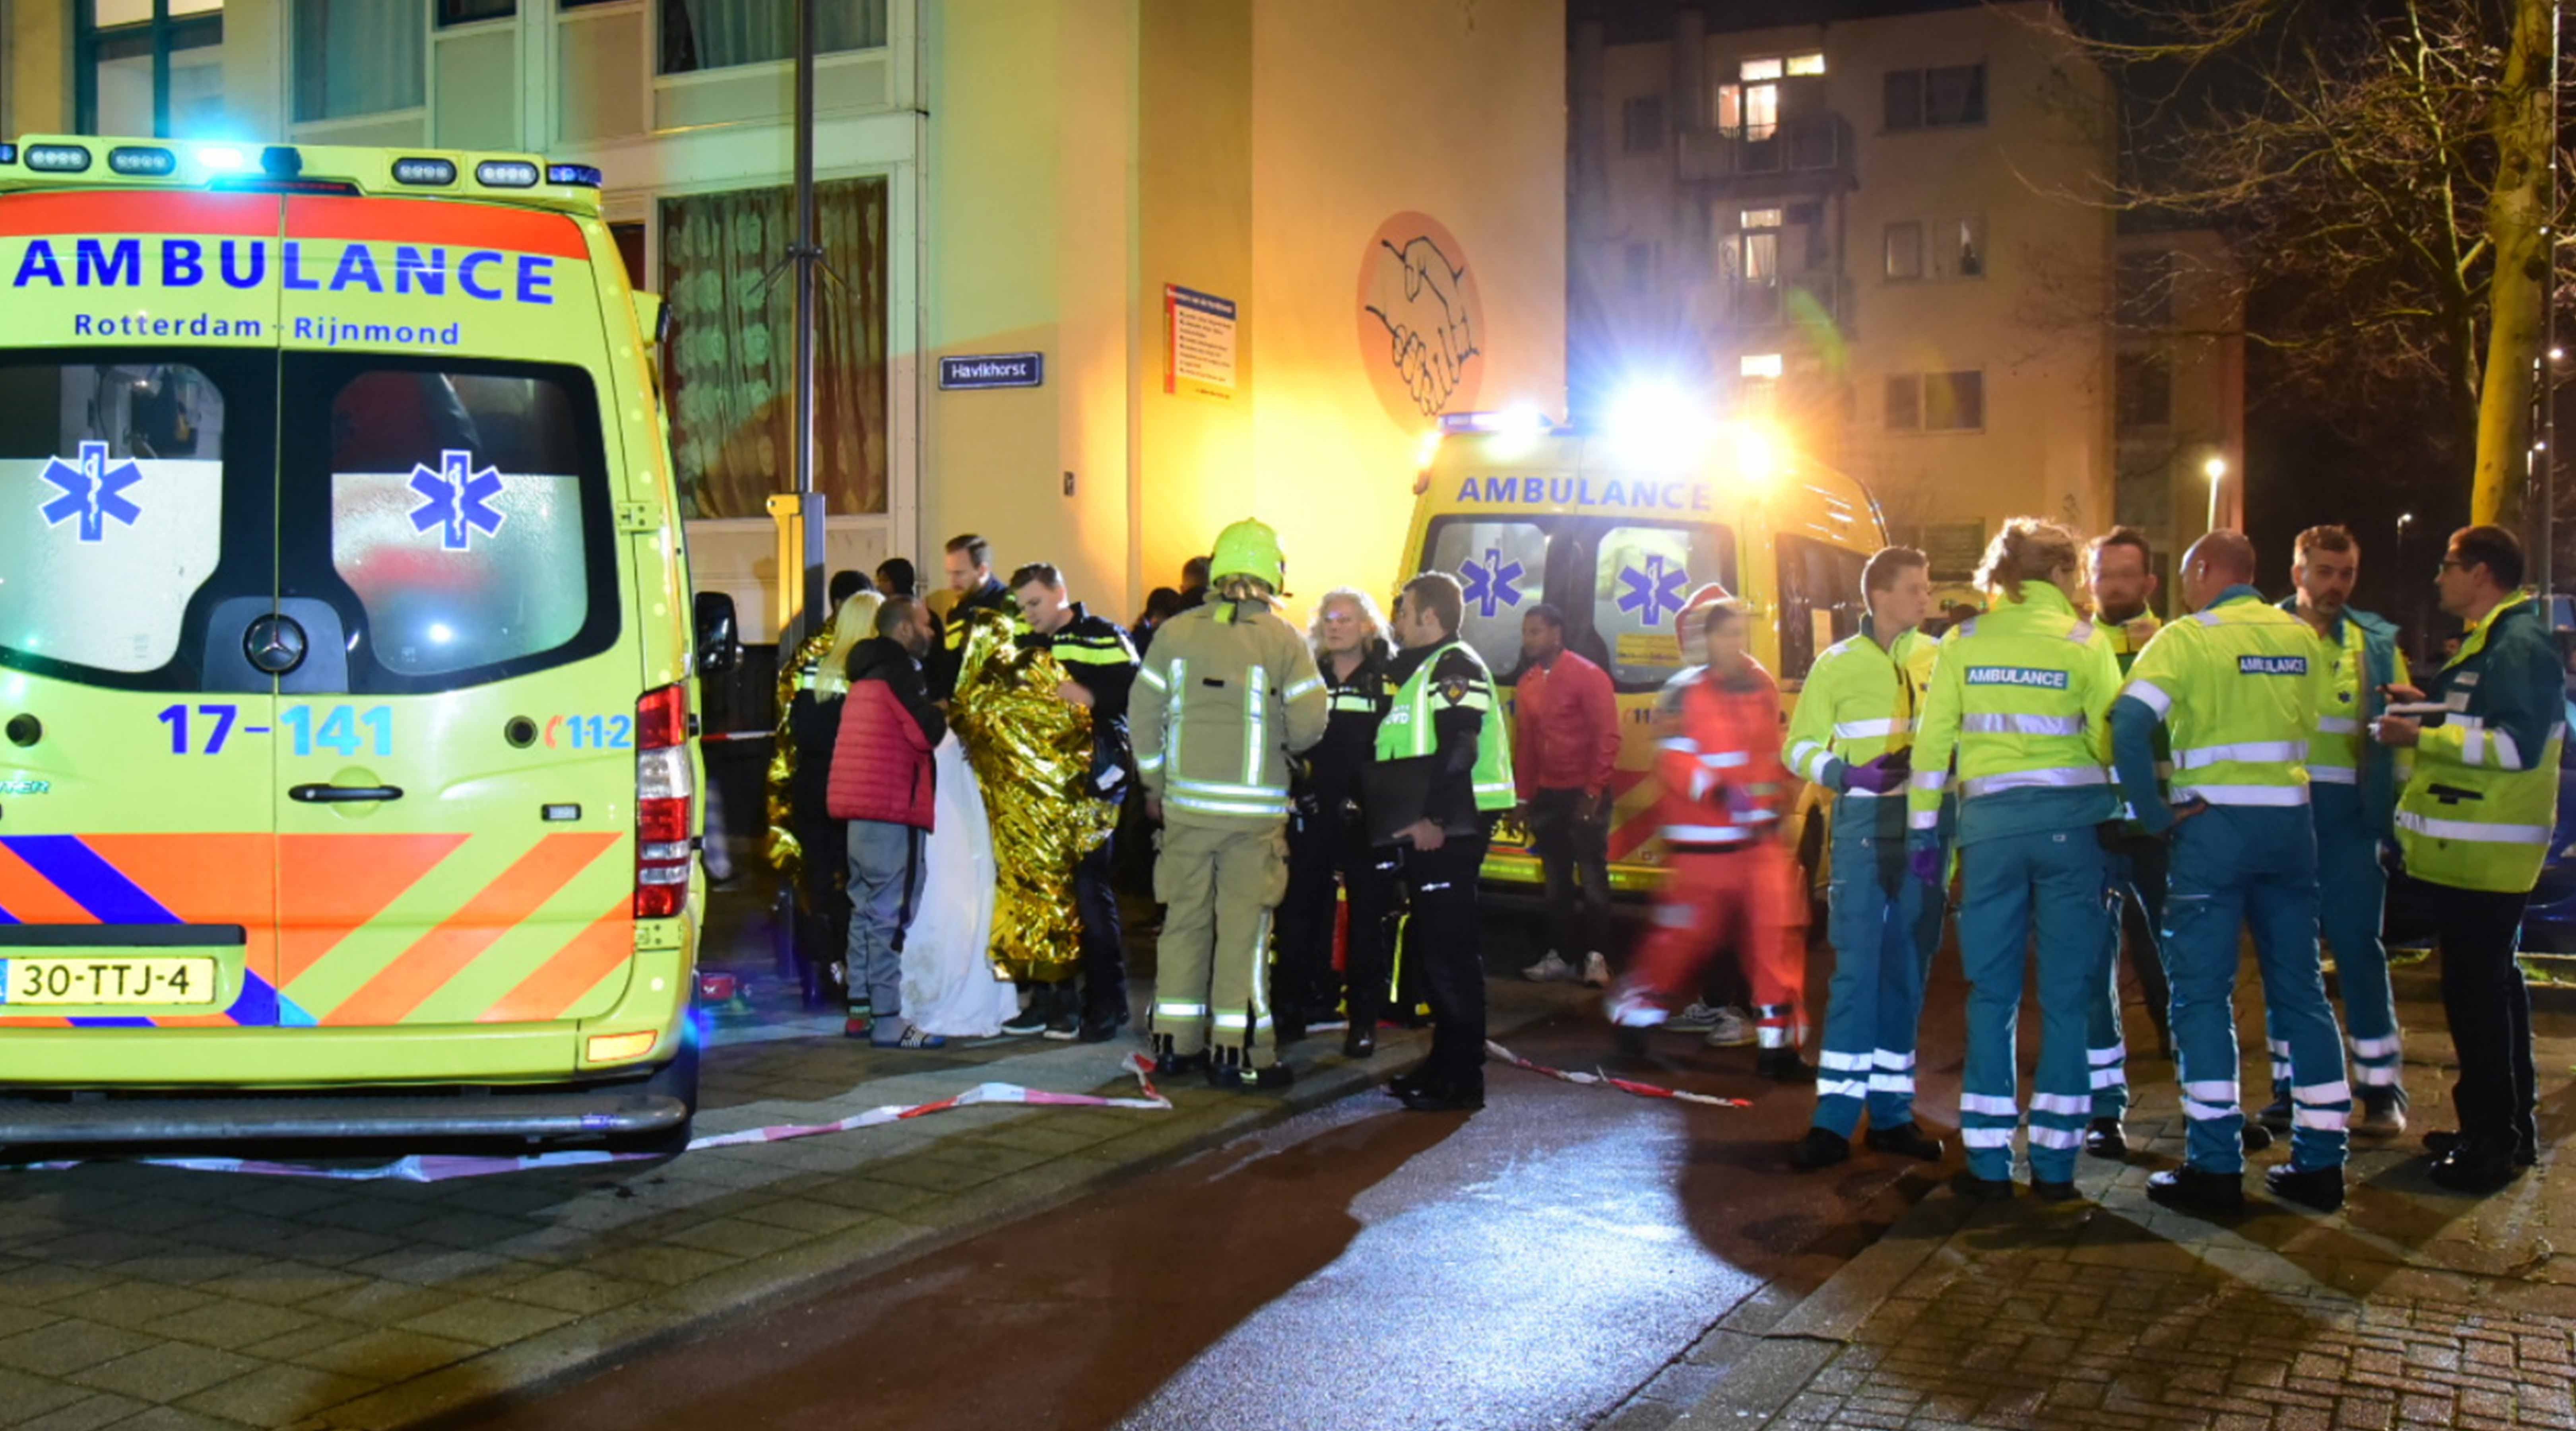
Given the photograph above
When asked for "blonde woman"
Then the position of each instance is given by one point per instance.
(1329, 856)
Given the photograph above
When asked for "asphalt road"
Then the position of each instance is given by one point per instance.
(1526, 1267)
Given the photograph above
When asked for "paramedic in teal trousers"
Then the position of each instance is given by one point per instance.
(2237, 684)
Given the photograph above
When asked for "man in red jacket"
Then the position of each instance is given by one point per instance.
(1565, 743)
(882, 783)
(1723, 792)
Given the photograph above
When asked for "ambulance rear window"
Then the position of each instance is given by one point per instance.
(1503, 567)
(468, 517)
(1641, 576)
(111, 509)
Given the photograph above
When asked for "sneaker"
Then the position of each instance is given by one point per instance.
(1596, 971)
(1730, 1028)
(2381, 1114)
(1550, 970)
(1699, 1018)
(1064, 1021)
(1033, 1018)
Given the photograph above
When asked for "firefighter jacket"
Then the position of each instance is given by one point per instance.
(1228, 692)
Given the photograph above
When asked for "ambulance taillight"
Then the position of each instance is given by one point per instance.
(665, 791)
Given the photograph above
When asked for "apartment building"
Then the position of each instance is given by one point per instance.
(1213, 222)
(1877, 225)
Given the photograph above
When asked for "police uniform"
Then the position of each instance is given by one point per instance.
(2474, 825)
(1228, 693)
(1097, 654)
(2237, 685)
(2019, 694)
(1858, 705)
(1444, 714)
(1331, 864)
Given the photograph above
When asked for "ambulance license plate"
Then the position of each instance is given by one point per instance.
(107, 981)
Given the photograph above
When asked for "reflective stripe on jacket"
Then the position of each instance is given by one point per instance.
(1718, 760)
(2239, 686)
(1406, 731)
(1227, 693)
(2021, 695)
(1859, 703)
(2341, 752)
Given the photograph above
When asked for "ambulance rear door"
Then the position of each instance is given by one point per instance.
(138, 397)
(459, 768)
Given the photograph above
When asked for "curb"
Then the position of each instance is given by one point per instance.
(464, 1393)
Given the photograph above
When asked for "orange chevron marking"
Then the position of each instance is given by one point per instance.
(329, 885)
(205, 879)
(30, 898)
(31, 1022)
(443, 953)
(561, 981)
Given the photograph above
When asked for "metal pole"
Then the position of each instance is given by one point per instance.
(2548, 465)
(808, 256)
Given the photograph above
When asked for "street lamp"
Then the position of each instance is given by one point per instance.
(2215, 469)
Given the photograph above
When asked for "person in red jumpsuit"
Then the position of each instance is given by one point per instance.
(1727, 879)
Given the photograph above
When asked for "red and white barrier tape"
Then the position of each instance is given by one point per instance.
(435, 1168)
(1624, 1085)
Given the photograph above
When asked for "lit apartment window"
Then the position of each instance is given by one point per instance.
(1936, 402)
(1642, 125)
(1904, 251)
(359, 57)
(1758, 219)
(1806, 65)
(1759, 70)
(1936, 98)
(1759, 365)
(1965, 247)
(716, 34)
(121, 44)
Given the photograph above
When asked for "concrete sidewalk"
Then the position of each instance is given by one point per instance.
(2410, 1308)
(145, 1297)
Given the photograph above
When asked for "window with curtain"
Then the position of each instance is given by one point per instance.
(356, 57)
(732, 364)
(714, 34)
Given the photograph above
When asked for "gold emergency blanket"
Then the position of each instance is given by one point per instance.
(785, 852)
(1032, 754)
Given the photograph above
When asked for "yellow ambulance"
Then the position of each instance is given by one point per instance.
(347, 731)
(1616, 527)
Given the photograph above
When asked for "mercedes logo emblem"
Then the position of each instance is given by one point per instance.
(275, 644)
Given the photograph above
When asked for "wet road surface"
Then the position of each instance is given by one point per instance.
(1357, 1266)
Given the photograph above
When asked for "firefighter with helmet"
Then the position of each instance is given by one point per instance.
(1226, 694)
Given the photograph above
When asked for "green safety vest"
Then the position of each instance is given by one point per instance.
(2478, 810)
(1858, 704)
(1406, 731)
(2022, 695)
(2239, 685)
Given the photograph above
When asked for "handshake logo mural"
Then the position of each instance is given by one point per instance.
(1421, 320)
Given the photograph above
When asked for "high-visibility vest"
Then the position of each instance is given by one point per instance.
(2478, 810)
(1858, 703)
(2021, 695)
(2238, 685)
(1406, 733)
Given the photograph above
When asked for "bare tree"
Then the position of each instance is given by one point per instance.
(2381, 167)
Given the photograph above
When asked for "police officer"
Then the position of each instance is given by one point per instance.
(1228, 693)
(2020, 694)
(2238, 686)
(1329, 851)
(2123, 581)
(2352, 790)
(970, 574)
(1853, 734)
(1444, 759)
(2474, 825)
(1102, 662)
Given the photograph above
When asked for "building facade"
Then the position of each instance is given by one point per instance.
(1881, 229)
(1192, 211)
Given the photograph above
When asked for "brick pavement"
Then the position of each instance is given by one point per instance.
(148, 1298)
(2411, 1308)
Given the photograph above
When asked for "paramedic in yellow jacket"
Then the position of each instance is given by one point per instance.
(1226, 694)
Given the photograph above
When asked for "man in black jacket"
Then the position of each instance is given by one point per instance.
(970, 575)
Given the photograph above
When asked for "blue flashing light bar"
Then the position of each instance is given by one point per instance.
(581, 174)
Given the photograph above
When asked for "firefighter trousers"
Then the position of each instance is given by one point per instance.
(2236, 866)
(1884, 924)
(1219, 885)
(2055, 884)
(1746, 896)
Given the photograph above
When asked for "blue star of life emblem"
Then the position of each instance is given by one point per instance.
(1652, 593)
(456, 499)
(1488, 583)
(92, 491)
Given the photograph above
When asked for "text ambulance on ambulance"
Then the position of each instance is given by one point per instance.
(1616, 528)
(344, 670)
